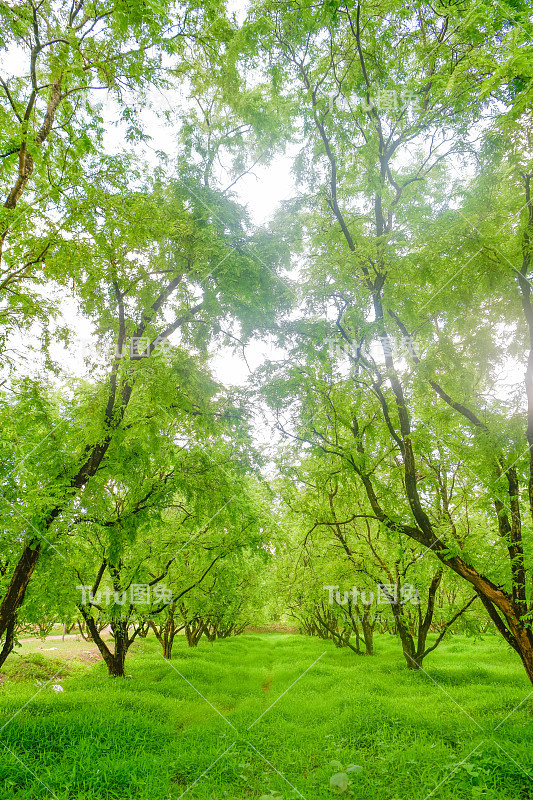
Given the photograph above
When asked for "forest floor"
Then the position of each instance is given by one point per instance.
(266, 716)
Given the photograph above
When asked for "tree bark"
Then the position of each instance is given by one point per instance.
(9, 640)
(113, 660)
(368, 631)
(14, 596)
(165, 634)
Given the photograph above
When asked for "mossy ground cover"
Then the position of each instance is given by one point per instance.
(267, 715)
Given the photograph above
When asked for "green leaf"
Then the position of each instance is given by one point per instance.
(340, 781)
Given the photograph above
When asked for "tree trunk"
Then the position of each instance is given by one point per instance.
(14, 596)
(114, 661)
(121, 636)
(425, 623)
(341, 639)
(165, 634)
(514, 633)
(193, 628)
(408, 643)
(194, 631)
(16, 590)
(415, 654)
(368, 631)
(526, 654)
(210, 630)
(87, 636)
(9, 640)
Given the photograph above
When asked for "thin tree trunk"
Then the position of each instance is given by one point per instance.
(165, 634)
(368, 631)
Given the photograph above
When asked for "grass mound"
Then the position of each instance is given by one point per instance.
(34, 667)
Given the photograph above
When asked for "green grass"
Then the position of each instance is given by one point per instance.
(153, 736)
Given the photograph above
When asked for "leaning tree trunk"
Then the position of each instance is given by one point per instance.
(367, 626)
(9, 640)
(340, 638)
(515, 632)
(114, 414)
(14, 595)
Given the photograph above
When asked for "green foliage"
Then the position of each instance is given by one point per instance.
(341, 782)
(53, 125)
(155, 734)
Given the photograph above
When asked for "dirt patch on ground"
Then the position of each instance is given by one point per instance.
(271, 627)
(40, 661)
(88, 656)
(36, 659)
(76, 637)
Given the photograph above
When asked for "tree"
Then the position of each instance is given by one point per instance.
(167, 262)
(227, 601)
(363, 567)
(386, 266)
(145, 556)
